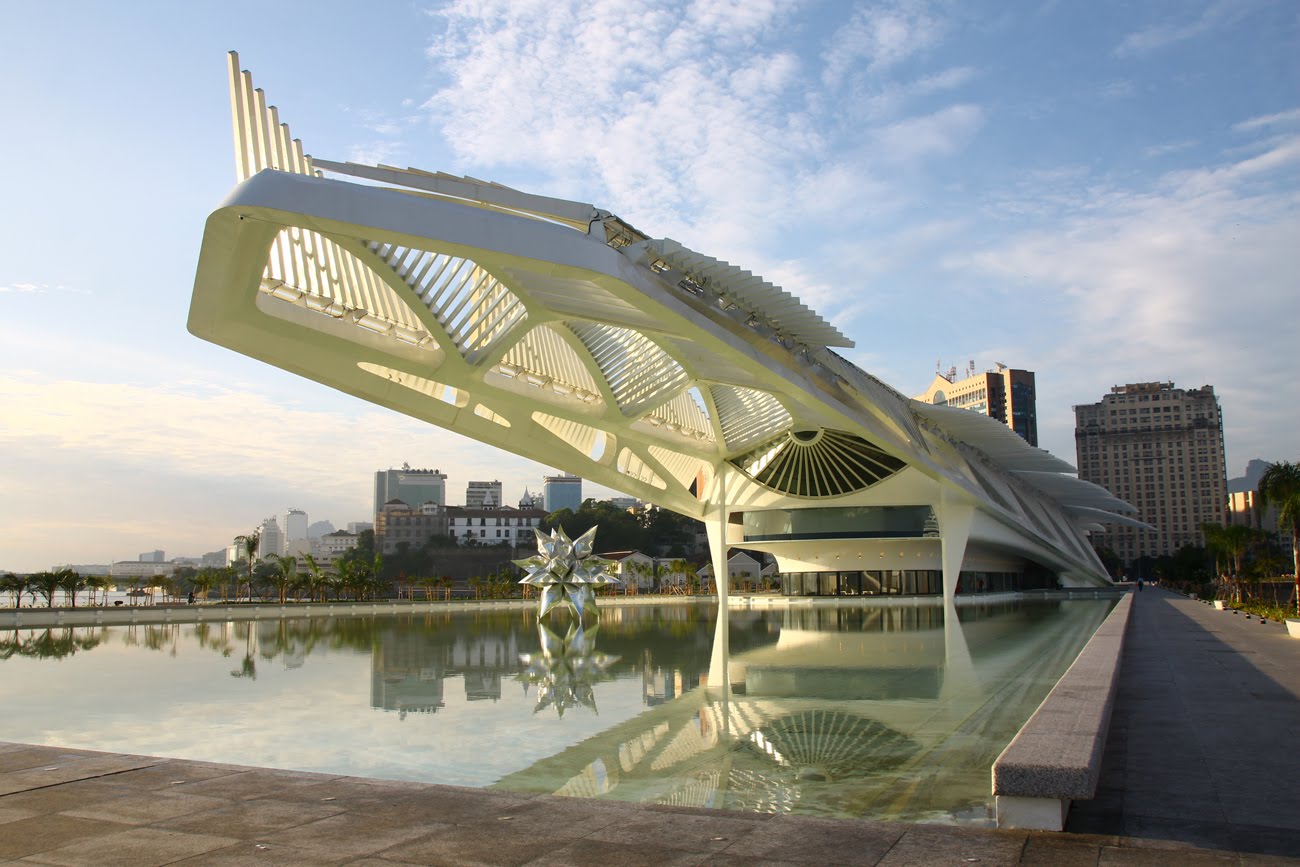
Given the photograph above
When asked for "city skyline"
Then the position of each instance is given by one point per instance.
(1100, 198)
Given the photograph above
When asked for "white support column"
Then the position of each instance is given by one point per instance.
(955, 520)
(715, 525)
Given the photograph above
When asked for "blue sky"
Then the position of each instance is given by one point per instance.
(1101, 192)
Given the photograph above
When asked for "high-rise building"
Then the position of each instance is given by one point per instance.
(413, 487)
(1005, 394)
(562, 492)
(1161, 449)
(153, 557)
(296, 538)
(271, 541)
(483, 495)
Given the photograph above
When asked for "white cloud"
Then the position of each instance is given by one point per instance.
(1172, 147)
(1215, 16)
(699, 122)
(939, 134)
(882, 35)
(1191, 280)
(1281, 118)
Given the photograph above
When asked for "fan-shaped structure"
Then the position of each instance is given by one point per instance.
(557, 331)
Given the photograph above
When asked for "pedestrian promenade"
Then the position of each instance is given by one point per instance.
(1204, 744)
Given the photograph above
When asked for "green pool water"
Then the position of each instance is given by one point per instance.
(830, 709)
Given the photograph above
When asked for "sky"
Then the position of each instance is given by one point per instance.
(1101, 192)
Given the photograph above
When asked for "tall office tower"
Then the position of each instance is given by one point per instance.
(296, 538)
(1161, 449)
(1007, 395)
(562, 492)
(483, 495)
(153, 557)
(272, 539)
(413, 487)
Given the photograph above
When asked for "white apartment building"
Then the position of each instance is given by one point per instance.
(494, 526)
(332, 545)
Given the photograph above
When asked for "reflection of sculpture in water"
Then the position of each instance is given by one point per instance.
(565, 669)
(566, 571)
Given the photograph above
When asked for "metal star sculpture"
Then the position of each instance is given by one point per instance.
(565, 669)
(566, 572)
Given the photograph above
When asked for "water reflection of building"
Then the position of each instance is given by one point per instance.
(414, 658)
(883, 710)
(660, 684)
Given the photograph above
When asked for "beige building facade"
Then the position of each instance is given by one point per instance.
(1160, 448)
(1008, 395)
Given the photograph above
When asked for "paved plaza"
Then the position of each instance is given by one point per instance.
(1199, 770)
(1204, 743)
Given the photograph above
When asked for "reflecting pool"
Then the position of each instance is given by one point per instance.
(830, 709)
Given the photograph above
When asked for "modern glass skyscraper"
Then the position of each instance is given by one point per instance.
(413, 487)
(562, 492)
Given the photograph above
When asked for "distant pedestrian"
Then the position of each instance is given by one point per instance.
(1139, 583)
(190, 600)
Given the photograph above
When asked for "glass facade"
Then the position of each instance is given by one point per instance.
(909, 582)
(855, 522)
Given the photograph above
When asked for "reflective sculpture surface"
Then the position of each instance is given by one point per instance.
(566, 572)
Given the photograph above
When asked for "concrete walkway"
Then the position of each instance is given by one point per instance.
(1204, 744)
(1196, 773)
(84, 809)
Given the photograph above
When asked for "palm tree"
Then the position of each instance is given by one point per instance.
(342, 576)
(98, 584)
(248, 544)
(1233, 541)
(17, 585)
(315, 577)
(286, 572)
(1280, 487)
(70, 583)
(47, 584)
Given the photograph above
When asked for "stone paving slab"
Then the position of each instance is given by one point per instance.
(207, 815)
(1202, 743)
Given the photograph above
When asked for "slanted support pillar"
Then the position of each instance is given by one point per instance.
(955, 520)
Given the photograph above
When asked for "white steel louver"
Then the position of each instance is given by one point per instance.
(685, 469)
(305, 267)
(819, 463)
(583, 437)
(543, 357)
(747, 416)
(428, 387)
(474, 307)
(683, 414)
(629, 464)
(309, 269)
(638, 371)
